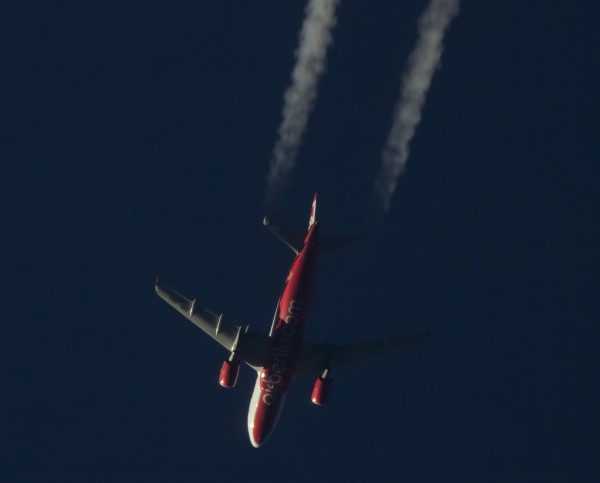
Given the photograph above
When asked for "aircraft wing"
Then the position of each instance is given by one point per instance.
(249, 345)
(316, 357)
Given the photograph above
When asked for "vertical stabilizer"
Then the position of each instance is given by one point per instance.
(313, 212)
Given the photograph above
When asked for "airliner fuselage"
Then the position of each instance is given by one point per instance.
(286, 341)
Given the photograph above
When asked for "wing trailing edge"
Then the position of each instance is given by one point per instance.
(317, 357)
(249, 345)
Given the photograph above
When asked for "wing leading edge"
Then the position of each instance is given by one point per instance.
(317, 357)
(249, 345)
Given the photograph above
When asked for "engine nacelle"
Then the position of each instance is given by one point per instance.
(322, 389)
(229, 372)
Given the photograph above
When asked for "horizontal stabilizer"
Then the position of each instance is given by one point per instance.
(317, 357)
(292, 238)
(329, 244)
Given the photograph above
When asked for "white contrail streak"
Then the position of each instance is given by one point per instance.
(416, 80)
(300, 97)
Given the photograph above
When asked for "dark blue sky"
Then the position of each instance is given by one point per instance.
(136, 140)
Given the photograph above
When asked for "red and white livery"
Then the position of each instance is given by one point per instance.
(282, 355)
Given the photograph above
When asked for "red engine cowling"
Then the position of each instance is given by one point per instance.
(322, 389)
(229, 373)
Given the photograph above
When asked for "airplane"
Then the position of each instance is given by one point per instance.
(282, 355)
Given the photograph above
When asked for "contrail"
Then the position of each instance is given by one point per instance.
(300, 97)
(416, 80)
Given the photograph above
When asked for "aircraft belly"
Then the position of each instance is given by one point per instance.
(285, 344)
(298, 293)
(274, 380)
(263, 416)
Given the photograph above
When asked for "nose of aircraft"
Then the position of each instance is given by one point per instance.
(256, 443)
(258, 437)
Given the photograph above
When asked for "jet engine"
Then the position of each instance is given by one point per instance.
(322, 388)
(229, 372)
